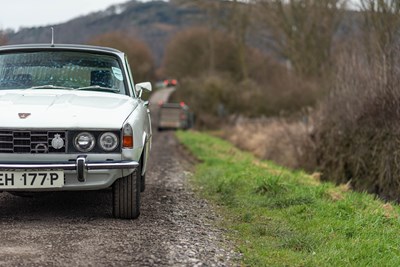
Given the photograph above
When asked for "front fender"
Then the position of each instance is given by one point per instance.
(139, 120)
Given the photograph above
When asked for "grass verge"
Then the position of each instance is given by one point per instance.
(285, 218)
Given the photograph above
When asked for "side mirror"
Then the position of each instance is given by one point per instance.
(143, 86)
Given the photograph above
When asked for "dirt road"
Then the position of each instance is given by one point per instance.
(175, 228)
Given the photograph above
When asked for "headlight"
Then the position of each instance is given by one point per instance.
(84, 142)
(108, 141)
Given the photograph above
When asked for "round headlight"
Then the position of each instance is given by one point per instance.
(84, 142)
(108, 141)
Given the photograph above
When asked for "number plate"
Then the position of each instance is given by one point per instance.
(31, 179)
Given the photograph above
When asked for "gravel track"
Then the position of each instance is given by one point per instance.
(175, 227)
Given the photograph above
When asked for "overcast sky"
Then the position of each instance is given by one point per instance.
(28, 13)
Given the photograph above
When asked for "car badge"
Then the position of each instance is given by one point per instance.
(24, 115)
(57, 142)
(41, 148)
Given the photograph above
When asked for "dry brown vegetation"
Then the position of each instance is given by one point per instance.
(288, 143)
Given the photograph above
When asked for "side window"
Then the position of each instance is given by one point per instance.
(130, 76)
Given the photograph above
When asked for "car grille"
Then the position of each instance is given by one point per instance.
(32, 142)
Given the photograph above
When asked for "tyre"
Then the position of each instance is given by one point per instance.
(143, 183)
(126, 196)
(142, 177)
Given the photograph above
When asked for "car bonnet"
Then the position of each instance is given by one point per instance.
(64, 109)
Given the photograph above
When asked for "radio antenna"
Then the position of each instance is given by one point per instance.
(52, 36)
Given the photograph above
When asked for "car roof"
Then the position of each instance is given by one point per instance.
(30, 47)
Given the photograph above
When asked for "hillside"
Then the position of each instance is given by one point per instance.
(153, 22)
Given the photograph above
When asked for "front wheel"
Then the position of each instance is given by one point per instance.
(143, 183)
(126, 196)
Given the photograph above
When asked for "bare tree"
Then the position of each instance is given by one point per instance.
(187, 54)
(212, 9)
(303, 31)
(234, 17)
(238, 23)
(139, 55)
(3, 38)
(381, 28)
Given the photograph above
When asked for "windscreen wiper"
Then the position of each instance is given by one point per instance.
(98, 88)
(50, 86)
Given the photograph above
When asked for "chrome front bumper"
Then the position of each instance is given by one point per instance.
(80, 165)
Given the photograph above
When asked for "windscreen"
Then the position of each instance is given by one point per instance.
(61, 70)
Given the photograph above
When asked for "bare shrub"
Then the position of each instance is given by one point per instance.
(139, 55)
(359, 125)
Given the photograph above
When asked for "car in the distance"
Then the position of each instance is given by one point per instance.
(167, 83)
(72, 119)
(174, 116)
(170, 83)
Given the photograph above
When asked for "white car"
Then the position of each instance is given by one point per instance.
(72, 119)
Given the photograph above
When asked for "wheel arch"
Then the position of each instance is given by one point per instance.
(145, 152)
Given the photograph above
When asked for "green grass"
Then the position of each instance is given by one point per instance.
(280, 217)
